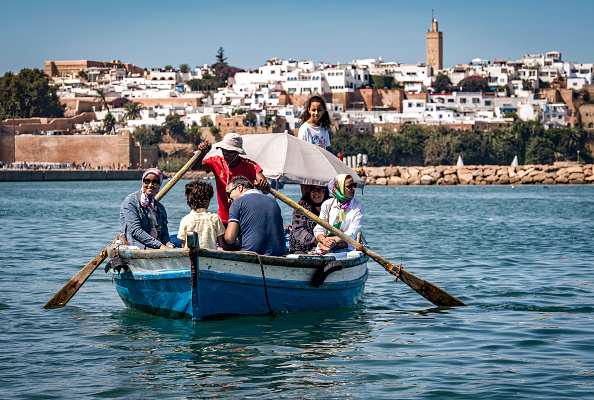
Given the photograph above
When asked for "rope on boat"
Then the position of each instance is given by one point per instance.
(272, 313)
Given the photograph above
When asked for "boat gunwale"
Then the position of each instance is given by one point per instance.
(241, 256)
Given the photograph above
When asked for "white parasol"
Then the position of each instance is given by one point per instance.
(283, 155)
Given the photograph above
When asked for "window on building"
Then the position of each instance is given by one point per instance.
(487, 103)
(462, 101)
(476, 101)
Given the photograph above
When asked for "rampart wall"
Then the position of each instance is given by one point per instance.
(97, 150)
(28, 125)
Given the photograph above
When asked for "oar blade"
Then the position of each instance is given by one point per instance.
(69, 289)
(434, 294)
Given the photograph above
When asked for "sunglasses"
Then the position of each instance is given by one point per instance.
(350, 187)
(318, 190)
(155, 182)
(231, 191)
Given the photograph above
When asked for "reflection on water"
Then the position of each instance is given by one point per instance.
(261, 353)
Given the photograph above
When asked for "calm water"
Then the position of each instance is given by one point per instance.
(522, 259)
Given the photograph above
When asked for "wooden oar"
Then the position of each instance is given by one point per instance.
(435, 295)
(69, 289)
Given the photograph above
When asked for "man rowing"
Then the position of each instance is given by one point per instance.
(227, 167)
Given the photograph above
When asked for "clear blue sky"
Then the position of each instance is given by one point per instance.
(156, 33)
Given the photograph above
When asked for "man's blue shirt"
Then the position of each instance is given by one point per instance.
(260, 224)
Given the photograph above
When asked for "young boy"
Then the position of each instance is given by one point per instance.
(207, 225)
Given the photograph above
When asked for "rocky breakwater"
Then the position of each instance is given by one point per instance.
(560, 173)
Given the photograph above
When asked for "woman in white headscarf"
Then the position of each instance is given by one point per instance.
(343, 211)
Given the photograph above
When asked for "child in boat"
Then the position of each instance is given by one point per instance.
(315, 122)
(206, 224)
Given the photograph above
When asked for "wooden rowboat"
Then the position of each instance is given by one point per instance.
(161, 281)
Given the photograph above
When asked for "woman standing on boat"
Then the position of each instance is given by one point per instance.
(143, 219)
(302, 239)
(344, 212)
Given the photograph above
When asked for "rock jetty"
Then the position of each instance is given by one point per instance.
(559, 173)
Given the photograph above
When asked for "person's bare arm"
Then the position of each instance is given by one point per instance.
(200, 164)
(226, 246)
(262, 183)
(232, 233)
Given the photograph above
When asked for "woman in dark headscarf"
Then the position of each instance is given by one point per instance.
(143, 219)
(302, 239)
(344, 212)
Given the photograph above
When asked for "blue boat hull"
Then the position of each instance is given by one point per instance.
(167, 292)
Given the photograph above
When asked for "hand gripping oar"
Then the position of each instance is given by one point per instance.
(69, 289)
(435, 295)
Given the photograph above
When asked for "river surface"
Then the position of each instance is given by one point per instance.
(522, 259)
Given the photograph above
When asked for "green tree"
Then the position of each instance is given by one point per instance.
(471, 147)
(539, 150)
(29, 94)
(382, 82)
(145, 136)
(215, 130)
(168, 67)
(442, 83)
(221, 55)
(205, 120)
(511, 114)
(410, 141)
(174, 124)
(439, 146)
(184, 68)
(109, 123)
(238, 111)
(194, 133)
(572, 140)
(474, 84)
(133, 110)
(101, 95)
(250, 119)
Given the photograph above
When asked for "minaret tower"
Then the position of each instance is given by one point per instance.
(435, 47)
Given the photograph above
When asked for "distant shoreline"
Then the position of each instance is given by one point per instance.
(560, 173)
(28, 175)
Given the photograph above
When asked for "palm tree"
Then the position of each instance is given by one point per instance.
(133, 110)
(183, 68)
(572, 140)
(102, 96)
(109, 122)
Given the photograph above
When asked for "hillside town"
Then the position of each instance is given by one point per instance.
(365, 95)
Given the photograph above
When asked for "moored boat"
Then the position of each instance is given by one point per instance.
(160, 281)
